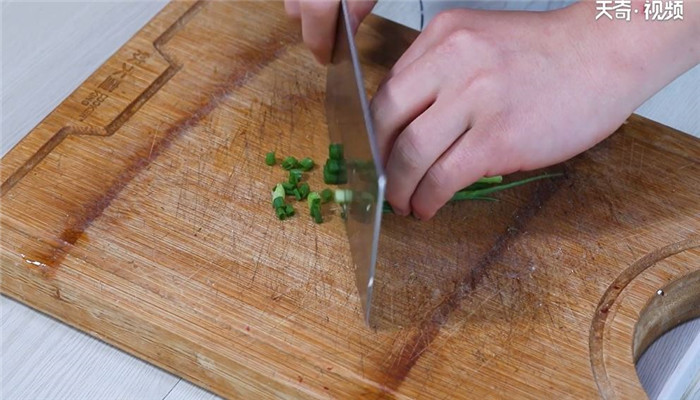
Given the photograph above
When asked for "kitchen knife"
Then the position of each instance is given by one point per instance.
(349, 123)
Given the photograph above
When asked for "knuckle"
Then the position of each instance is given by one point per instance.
(441, 22)
(438, 179)
(497, 137)
(497, 148)
(380, 99)
(407, 149)
(456, 40)
(431, 193)
(485, 84)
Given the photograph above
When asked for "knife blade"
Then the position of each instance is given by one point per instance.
(350, 124)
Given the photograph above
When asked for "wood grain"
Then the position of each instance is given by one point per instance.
(147, 224)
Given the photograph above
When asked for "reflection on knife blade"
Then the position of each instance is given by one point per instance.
(349, 123)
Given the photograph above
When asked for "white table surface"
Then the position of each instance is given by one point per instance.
(50, 48)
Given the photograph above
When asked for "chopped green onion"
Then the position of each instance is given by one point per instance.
(298, 172)
(329, 178)
(335, 169)
(295, 176)
(306, 164)
(333, 166)
(316, 212)
(491, 179)
(281, 214)
(342, 176)
(482, 192)
(312, 198)
(326, 195)
(278, 197)
(270, 158)
(288, 188)
(472, 194)
(297, 194)
(290, 163)
(335, 151)
(343, 196)
(304, 190)
(288, 210)
(387, 209)
(278, 191)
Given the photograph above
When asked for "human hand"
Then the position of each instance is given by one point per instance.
(482, 93)
(319, 19)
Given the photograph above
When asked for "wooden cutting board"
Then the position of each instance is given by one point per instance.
(139, 212)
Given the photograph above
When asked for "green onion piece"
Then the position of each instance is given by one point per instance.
(485, 198)
(298, 172)
(288, 188)
(387, 209)
(491, 179)
(278, 191)
(472, 194)
(289, 163)
(326, 195)
(335, 151)
(484, 183)
(297, 194)
(342, 176)
(314, 207)
(270, 158)
(288, 210)
(313, 197)
(304, 190)
(343, 196)
(329, 178)
(333, 166)
(316, 213)
(481, 194)
(278, 202)
(294, 176)
(281, 214)
(306, 164)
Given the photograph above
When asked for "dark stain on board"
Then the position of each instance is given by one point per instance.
(265, 52)
(419, 341)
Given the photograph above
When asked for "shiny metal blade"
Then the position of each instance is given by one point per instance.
(349, 123)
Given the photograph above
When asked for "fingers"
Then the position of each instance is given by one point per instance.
(292, 8)
(358, 10)
(418, 146)
(402, 99)
(467, 160)
(318, 27)
(319, 19)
